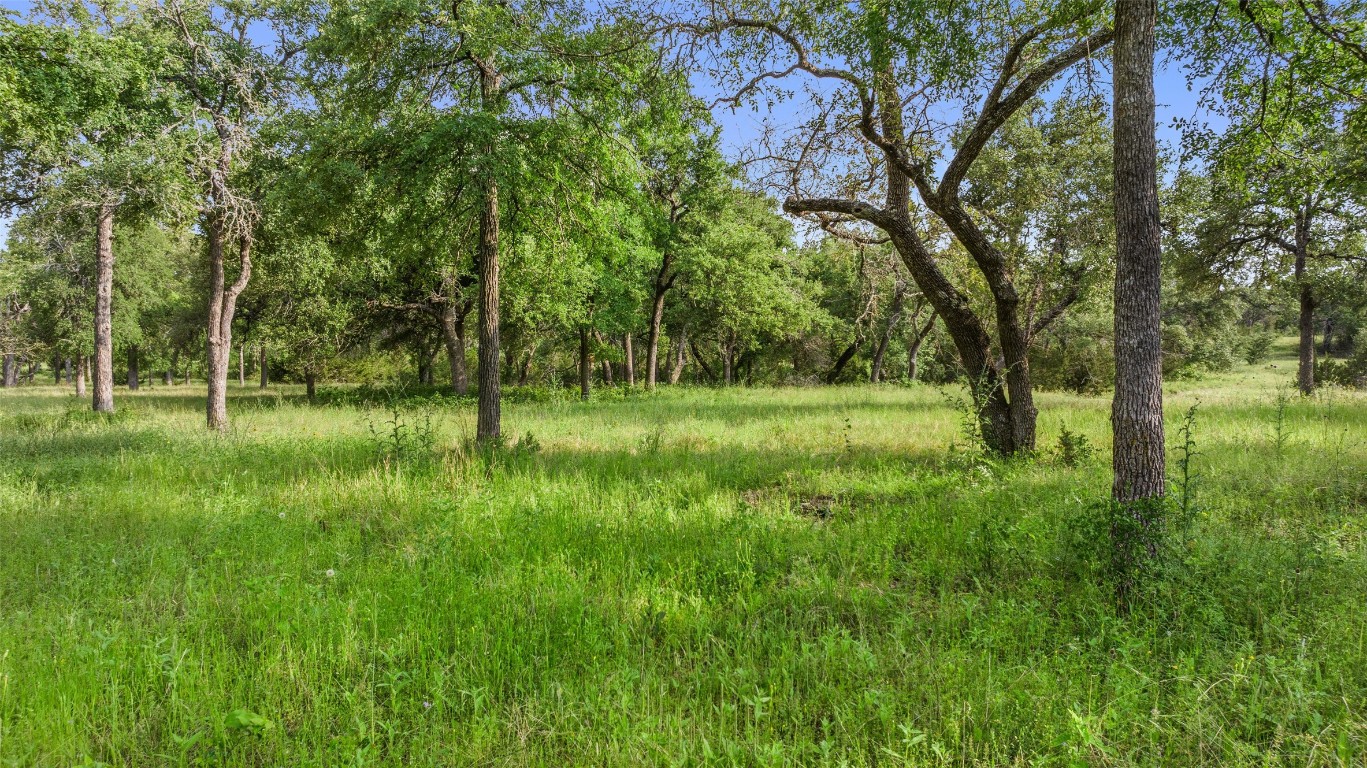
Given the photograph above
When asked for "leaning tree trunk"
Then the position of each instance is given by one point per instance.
(1137, 409)
(133, 368)
(103, 368)
(222, 307)
(629, 365)
(899, 296)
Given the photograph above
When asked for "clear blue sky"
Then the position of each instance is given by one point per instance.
(741, 127)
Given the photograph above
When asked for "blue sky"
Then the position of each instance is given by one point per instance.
(741, 127)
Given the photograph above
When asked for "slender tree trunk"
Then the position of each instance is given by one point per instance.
(629, 357)
(133, 368)
(222, 307)
(311, 385)
(261, 360)
(918, 338)
(526, 371)
(242, 365)
(1305, 370)
(490, 409)
(727, 364)
(676, 372)
(585, 364)
(80, 375)
(899, 296)
(66, 370)
(175, 365)
(57, 370)
(663, 282)
(103, 368)
(1137, 409)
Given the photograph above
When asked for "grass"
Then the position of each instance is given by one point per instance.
(696, 577)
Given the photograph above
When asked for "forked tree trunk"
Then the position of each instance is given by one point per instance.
(453, 333)
(133, 368)
(222, 307)
(103, 369)
(663, 282)
(629, 360)
(1137, 409)
(676, 372)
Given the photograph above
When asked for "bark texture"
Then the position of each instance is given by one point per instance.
(489, 423)
(102, 400)
(1137, 410)
(222, 307)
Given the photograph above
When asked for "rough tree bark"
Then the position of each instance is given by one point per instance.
(1137, 409)
(222, 306)
(102, 374)
(489, 421)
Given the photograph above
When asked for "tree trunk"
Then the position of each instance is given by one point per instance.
(1305, 370)
(585, 363)
(490, 412)
(1137, 408)
(311, 385)
(676, 372)
(899, 295)
(629, 357)
(526, 370)
(242, 365)
(663, 282)
(66, 370)
(171, 371)
(844, 359)
(453, 333)
(222, 307)
(265, 375)
(103, 368)
(728, 363)
(57, 370)
(133, 368)
(81, 363)
(919, 336)
(9, 372)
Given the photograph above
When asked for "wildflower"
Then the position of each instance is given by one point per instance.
(427, 705)
(282, 515)
(330, 573)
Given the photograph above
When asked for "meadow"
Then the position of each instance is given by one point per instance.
(745, 576)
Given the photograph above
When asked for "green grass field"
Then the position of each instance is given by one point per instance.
(696, 577)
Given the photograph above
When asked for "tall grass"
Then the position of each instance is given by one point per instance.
(695, 577)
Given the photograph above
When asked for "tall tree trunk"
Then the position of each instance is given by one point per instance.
(222, 307)
(103, 368)
(9, 371)
(453, 332)
(81, 363)
(1305, 370)
(676, 372)
(585, 363)
(490, 411)
(663, 282)
(629, 358)
(1137, 409)
(265, 374)
(133, 368)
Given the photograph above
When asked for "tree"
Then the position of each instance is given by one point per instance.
(85, 109)
(1137, 407)
(229, 81)
(887, 71)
